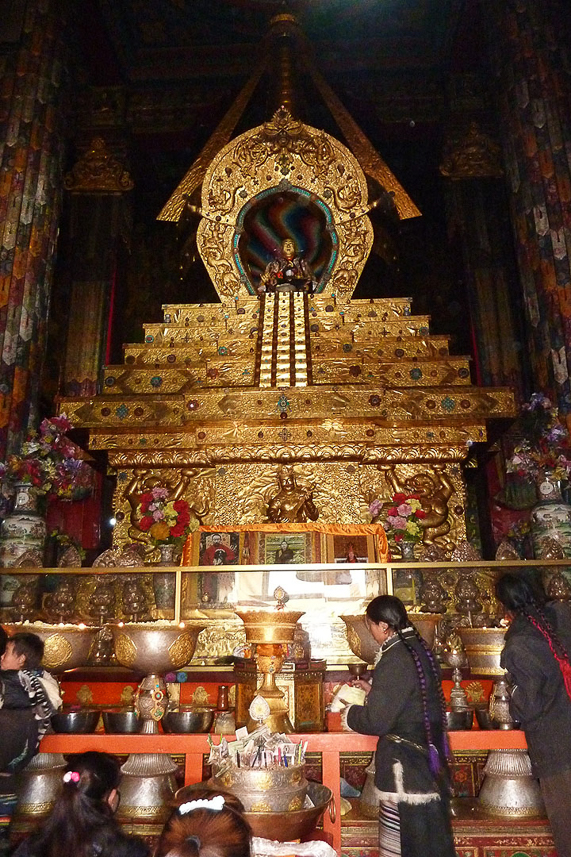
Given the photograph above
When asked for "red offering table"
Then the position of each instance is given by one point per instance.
(329, 744)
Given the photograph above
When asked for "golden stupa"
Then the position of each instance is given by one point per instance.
(354, 398)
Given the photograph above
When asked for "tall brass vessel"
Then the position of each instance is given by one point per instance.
(269, 631)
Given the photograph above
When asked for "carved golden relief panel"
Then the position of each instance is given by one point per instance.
(189, 355)
(222, 327)
(195, 485)
(240, 493)
(366, 307)
(390, 348)
(412, 326)
(449, 404)
(352, 369)
(133, 381)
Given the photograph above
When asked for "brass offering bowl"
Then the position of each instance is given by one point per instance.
(66, 647)
(265, 789)
(363, 645)
(269, 626)
(270, 631)
(459, 720)
(293, 824)
(483, 647)
(121, 722)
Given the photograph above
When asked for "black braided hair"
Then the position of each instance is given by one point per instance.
(435, 760)
(438, 682)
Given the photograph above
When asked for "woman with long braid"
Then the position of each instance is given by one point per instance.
(536, 655)
(405, 708)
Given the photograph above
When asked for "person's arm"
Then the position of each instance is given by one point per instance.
(530, 678)
(388, 698)
(52, 689)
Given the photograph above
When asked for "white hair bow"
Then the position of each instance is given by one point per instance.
(215, 803)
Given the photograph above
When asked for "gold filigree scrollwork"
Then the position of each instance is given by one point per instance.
(355, 247)
(282, 137)
(346, 196)
(98, 171)
(213, 239)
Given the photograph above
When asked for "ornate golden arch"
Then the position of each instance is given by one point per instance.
(284, 150)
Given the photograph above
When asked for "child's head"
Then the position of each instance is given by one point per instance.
(92, 774)
(24, 651)
(212, 824)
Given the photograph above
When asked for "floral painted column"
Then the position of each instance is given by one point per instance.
(32, 97)
(528, 46)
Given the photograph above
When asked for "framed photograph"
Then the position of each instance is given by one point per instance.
(219, 549)
(216, 549)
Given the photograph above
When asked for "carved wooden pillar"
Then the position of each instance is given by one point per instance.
(99, 220)
(32, 120)
(527, 47)
(477, 221)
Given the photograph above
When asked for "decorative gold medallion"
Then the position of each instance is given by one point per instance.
(57, 651)
(125, 650)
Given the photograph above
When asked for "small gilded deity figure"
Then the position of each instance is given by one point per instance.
(288, 273)
(292, 504)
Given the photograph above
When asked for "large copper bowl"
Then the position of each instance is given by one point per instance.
(269, 626)
(265, 789)
(155, 648)
(363, 645)
(483, 647)
(285, 826)
(65, 646)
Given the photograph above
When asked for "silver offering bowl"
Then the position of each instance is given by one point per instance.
(66, 647)
(154, 649)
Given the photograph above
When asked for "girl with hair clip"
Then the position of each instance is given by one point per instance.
(537, 646)
(405, 708)
(210, 825)
(81, 823)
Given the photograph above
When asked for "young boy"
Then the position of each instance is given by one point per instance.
(28, 698)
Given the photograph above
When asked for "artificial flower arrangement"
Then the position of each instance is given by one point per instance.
(50, 463)
(403, 518)
(166, 521)
(545, 445)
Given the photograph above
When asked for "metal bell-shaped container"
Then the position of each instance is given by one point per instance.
(509, 788)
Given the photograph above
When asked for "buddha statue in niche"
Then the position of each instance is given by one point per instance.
(289, 273)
